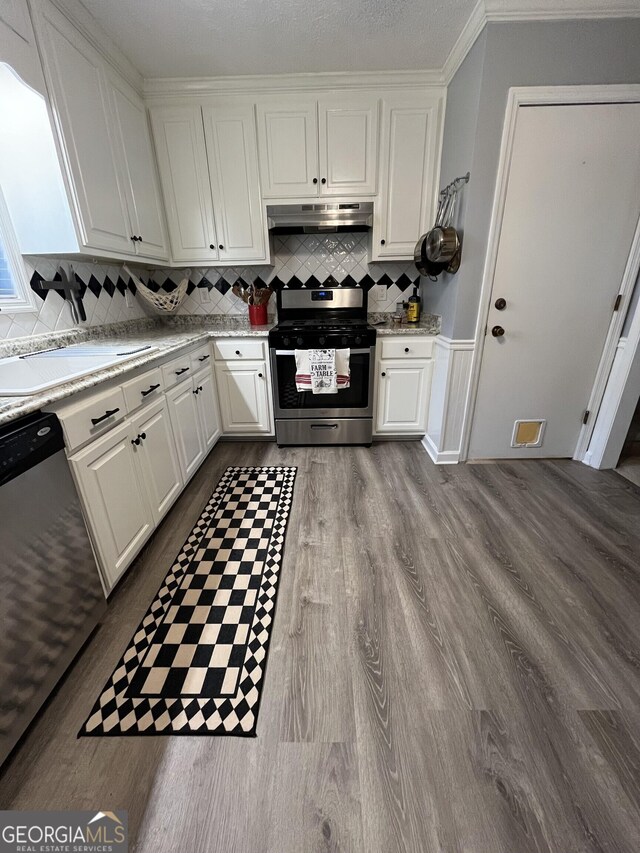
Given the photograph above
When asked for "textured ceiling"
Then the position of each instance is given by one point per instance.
(210, 38)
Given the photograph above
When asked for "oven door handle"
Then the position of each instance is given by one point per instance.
(366, 351)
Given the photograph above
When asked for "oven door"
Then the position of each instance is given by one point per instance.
(356, 401)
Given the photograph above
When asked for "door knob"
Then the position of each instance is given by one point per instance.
(501, 304)
(497, 331)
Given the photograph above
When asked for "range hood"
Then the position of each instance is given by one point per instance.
(320, 218)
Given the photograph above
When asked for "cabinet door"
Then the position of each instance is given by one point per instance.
(157, 456)
(82, 113)
(348, 128)
(184, 177)
(230, 133)
(409, 168)
(115, 500)
(187, 432)
(140, 180)
(403, 395)
(288, 146)
(207, 402)
(243, 392)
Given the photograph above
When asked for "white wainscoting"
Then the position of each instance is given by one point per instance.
(449, 391)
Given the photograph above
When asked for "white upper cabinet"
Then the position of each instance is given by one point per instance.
(208, 164)
(140, 179)
(80, 104)
(288, 146)
(325, 147)
(104, 144)
(348, 136)
(409, 170)
(230, 133)
(184, 175)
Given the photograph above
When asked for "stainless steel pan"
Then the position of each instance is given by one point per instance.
(442, 242)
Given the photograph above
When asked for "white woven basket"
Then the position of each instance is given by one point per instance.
(163, 302)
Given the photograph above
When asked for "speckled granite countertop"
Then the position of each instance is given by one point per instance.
(429, 325)
(167, 336)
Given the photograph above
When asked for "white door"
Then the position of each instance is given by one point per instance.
(155, 450)
(207, 403)
(115, 499)
(230, 133)
(288, 146)
(187, 432)
(403, 395)
(244, 397)
(408, 173)
(80, 103)
(348, 137)
(571, 208)
(184, 175)
(141, 183)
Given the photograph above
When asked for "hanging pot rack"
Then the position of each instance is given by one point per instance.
(443, 235)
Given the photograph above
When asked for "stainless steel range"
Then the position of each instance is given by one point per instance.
(331, 318)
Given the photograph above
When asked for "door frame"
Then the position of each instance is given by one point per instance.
(520, 96)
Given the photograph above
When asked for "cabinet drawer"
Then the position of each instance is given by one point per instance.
(406, 347)
(177, 370)
(143, 389)
(92, 417)
(234, 350)
(200, 358)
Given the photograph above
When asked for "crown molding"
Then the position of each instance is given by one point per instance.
(483, 12)
(547, 10)
(464, 42)
(84, 21)
(279, 83)
(493, 11)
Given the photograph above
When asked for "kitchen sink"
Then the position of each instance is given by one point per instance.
(38, 371)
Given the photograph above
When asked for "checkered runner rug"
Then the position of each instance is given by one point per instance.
(196, 663)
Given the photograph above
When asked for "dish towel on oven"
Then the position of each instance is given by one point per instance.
(322, 371)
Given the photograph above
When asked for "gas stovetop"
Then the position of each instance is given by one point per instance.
(332, 317)
(309, 333)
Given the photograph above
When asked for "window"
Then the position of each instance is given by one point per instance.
(15, 290)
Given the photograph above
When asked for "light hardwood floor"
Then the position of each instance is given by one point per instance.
(454, 667)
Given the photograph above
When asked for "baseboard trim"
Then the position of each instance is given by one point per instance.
(440, 457)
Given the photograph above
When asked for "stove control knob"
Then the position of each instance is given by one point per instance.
(322, 340)
(286, 341)
(344, 340)
(300, 341)
(358, 340)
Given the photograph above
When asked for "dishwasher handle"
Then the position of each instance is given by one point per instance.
(27, 442)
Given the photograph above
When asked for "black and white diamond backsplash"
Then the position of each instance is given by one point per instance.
(311, 260)
(196, 664)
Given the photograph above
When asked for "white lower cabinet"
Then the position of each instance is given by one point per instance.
(243, 389)
(155, 452)
(403, 385)
(115, 498)
(207, 405)
(129, 476)
(187, 431)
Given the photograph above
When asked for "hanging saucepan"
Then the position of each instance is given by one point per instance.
(423, 264)
(442, 242)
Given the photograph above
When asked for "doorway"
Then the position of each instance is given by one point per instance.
(567, 206)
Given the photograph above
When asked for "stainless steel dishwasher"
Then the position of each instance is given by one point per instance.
(51, 597)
